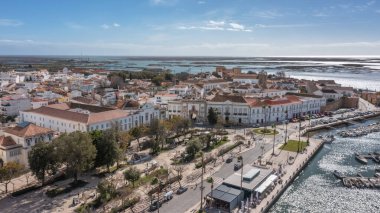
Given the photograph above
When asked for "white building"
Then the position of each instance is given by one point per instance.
(245, 78)
(237, 109)
(195, 110)
(17, 141)
(181, 90)
(39, 102)
(70, 117)
(11, 105)
(164, 98)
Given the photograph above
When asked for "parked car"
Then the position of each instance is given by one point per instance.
(181, 190)
(229, 159)
(154, 206)
(237, 166)
(168, 195)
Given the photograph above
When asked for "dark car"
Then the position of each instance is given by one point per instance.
(181, 190)
(229, 160)
(154, 206)
(237, 166)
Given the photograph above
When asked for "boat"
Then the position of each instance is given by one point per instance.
(361, 159)
(338, 174)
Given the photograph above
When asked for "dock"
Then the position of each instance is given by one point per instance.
(361, 182)
(363, 158)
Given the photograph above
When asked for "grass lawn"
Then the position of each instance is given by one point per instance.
(292, 146)
(268, 131)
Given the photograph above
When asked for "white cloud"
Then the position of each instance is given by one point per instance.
(201, 2)
(105, 26)
(215, 23)
(218, 25)
(116, 25)
(10, 23)
(237, 26)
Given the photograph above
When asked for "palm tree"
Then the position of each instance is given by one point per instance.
(211, 180)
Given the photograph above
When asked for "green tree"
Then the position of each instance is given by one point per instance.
(212, 117)
(179, 169)
(137, 132)
(9, 171)
(107, 149)
(107, 190)
(193, 147)
(43, 160)
(158, 80)
(132, 174)
(76, 151)
(157, 131)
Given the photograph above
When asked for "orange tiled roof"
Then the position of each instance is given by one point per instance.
(7, 141)
(28, 131)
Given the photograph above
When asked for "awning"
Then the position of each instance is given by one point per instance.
(266, 184)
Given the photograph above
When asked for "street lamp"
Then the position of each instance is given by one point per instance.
(286, 126)
(202, 169)
(274, 136)
(240, 158)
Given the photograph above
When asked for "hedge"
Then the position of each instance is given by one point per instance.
(206, 161)
(170, 181)
(229, 148)
(58, 191)
(129, 203)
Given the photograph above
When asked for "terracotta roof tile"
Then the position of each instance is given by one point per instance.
(7, 141)
(28, 131)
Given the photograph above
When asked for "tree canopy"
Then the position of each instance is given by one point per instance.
(76, 151)
(43, 159)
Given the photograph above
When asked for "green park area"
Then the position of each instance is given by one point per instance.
(292, 145)
(263, 131)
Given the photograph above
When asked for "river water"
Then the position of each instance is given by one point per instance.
(317, 190)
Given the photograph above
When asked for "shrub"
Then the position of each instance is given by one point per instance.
(58, 191)
(229, 148)
(205, 161)
(26, 190)
(127, 204)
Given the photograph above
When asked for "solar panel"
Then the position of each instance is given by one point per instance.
(23, 124)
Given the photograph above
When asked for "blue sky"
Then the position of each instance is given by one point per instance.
(190, 27)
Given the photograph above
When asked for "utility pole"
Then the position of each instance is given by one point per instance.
(274, 137)
(241, 175)
(299, 136)
(286, 126)
(308, 131)
(202, 182)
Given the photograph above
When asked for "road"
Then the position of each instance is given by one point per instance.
(190, 198)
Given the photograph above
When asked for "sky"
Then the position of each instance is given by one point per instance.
(190, 27)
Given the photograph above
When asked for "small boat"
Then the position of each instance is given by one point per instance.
(338, 174)
(361, 159)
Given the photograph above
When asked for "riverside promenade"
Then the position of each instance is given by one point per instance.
(291, 168)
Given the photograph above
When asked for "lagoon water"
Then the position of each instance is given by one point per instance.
(317, 190)
(363, 73)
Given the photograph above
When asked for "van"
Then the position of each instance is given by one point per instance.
(168, 195)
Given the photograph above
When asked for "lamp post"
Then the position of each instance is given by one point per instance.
(299, 135)
(308, 131)
(202, 182)
(241, 175)
(286, 126)
(274, 137)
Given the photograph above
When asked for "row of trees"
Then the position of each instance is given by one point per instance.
(80, 151)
